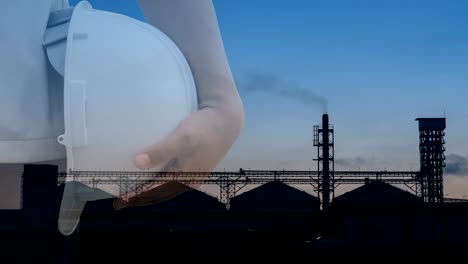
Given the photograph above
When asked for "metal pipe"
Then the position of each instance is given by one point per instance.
(326, 163)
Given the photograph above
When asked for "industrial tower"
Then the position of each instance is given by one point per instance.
(427, 182)
(324, 140)
(432, 158)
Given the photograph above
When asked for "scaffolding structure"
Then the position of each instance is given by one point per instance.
(432, 159)
(324, 140)
(426, 183)
(230, 183)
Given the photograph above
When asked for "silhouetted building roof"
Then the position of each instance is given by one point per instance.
(377, 194)
(275, 196)
(191, 211)
(431, 123)
(190, 201)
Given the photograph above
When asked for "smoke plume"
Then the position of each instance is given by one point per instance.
(456, 165)
(271, 84)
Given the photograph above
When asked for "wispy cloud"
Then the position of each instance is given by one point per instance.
(352, 163)
(373, 164)
(457, 165)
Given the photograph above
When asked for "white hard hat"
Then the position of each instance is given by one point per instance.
(126, 86)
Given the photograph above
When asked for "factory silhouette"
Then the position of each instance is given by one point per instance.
(272, 220)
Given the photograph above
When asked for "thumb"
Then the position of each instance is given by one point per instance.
(166, 153)
(159, 194)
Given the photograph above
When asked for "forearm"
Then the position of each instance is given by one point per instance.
(193, 26)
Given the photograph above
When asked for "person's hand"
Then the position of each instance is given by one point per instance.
(202, 140)
(197, 145)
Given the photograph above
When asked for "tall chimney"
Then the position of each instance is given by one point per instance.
(326, 163)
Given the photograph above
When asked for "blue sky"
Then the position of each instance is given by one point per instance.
(380, 64)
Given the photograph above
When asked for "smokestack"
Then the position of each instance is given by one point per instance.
(325, 121)
(326, 162)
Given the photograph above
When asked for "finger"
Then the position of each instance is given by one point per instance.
(177, 183)
(179, 143)
(145, 186)
(119, 203)
(159, 154)
(159, 194)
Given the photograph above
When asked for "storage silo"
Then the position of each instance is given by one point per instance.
(276, 218)
(375, 216)
(191, 221)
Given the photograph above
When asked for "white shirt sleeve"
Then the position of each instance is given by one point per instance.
(31, 104)
(193, 26)
(29, 119)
